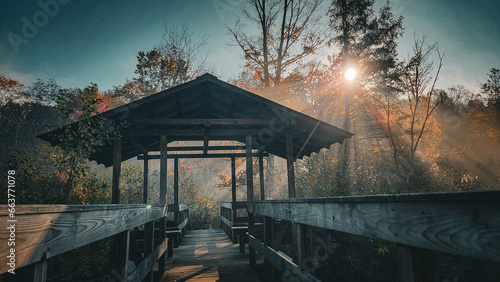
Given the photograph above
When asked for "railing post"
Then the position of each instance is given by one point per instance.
(119, 255)
(163, 199)
(149, 245)
(268, 240)
(40, 274)
(417, 264)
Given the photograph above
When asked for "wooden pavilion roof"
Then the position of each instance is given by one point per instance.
(207, 108)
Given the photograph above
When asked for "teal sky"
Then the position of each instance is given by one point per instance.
(97, 41)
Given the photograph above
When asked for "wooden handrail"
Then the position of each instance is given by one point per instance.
(44, 231)
(466, 223)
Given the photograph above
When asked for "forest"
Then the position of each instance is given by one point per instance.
(409, 135)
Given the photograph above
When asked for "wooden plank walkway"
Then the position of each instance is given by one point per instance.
(208, 255)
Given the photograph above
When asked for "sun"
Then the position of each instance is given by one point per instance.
(350, 74)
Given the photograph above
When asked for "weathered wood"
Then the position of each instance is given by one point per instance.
(290, 167)
(306, 245)
(405, 264)
(193, 132)
(162, 235)
(236, 205)
(119, 255)
(40, 273)
(148, 249)
(201, 156)
(145, 181)
(163, 170)
(45, 231)
(466, 224)
(268, 241)
(251, 250)
(117, 166)
(226, 221)
(425, 265)
(208, 255)
(177, 208)
(233, 187)
(280, 262)
(249, 164)
(199, 121)
(176, 188)
(261, 177)
(209, 148)
(146, 266)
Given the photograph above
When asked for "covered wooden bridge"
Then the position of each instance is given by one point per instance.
(207, 109)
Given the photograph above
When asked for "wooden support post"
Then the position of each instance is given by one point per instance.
(119, 245)
(176, 189)
(40, 274)
(163, 199)
(261, 177)
(119, 255)
(268, 241)
(290, 167)
(149, 246)
(233, 189)
(249, 162)
(250, 195)
(417, 264)
(292, 194)
(306, 246)
(163, 170)
(145, 180)
(117, 168)
(251, 251)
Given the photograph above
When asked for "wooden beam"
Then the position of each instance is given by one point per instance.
(268, 241)
(40, 273)
(148, 248)
(249, 163)
(201, 156)
(145, 181)
(148, 263)
(261, 177)
(70, 226)
(193, 132)
(163, 170)
(205, 144)
(176, 188)
(119, 255)
(197, 121)
(233, 188)
(465, 224)
(117, 166)
(209, 148)
(282, 263)
(290, 167)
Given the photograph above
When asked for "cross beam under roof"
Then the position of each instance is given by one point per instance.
(201, 121)
(201, 156)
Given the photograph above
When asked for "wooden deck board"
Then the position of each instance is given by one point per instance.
(208, 255)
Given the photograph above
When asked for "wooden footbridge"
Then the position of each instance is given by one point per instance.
(148, 247)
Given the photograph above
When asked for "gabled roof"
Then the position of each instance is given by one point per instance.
(207, 108)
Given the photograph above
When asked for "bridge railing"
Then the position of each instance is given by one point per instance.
(39, 232)
(466, 224)
(234, 225)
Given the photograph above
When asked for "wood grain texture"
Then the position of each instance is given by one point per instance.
(147, 264)
(280, 262)
(46, 231)
(466, 224)
(208, 255)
